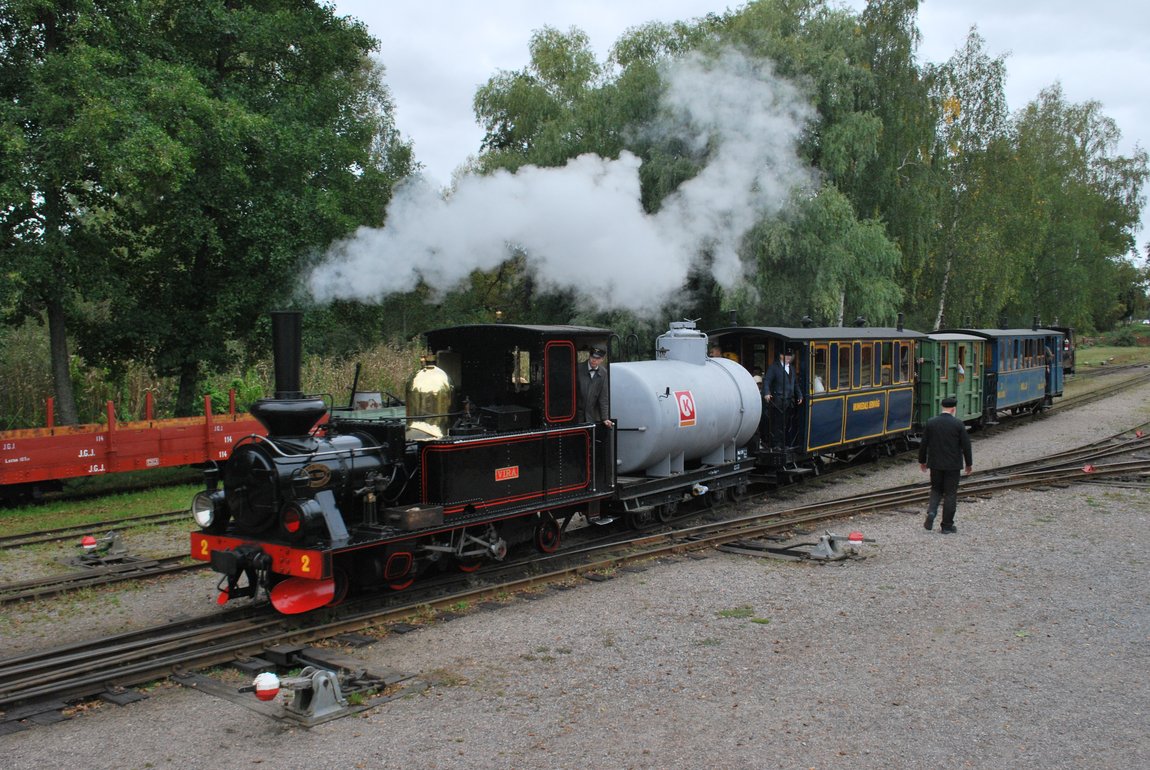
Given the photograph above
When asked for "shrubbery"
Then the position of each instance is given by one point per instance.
(26, 382)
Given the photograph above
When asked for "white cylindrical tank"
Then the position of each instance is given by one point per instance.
(683, 406)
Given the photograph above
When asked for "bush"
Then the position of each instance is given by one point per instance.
(26, 381)
(1121, 337)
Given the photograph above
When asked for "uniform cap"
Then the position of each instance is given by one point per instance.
(949, 402)
(598, 352)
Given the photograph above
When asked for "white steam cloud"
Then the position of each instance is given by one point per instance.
(583, 225)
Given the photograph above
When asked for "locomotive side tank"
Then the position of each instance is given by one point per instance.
(682, 407)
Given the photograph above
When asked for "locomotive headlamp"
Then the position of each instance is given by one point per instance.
(206, 507)
(298, 517)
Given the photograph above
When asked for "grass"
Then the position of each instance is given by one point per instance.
(1111, 356)
(66, 513)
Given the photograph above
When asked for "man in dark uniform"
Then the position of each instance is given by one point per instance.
(783, 394)
(945, 445)
(594, 390)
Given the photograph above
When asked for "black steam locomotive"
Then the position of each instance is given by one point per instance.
(489, 452)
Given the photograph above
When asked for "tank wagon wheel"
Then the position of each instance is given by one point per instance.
(642, 518)
(666, 512)
(548, 535)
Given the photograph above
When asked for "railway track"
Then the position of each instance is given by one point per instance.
(130, 569)
(63, 533)
(83, 670)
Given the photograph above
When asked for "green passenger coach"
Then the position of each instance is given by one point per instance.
(951, 364)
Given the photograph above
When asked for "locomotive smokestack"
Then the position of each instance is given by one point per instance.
(289, 414)
(287, 349)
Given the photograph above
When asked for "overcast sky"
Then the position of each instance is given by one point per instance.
(438, 51)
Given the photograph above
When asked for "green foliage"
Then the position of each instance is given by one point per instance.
(169, 169)
(178, 163)
(1124, 336)
(822, 262)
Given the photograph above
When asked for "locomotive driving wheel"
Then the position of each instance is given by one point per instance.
(548, 534)
(342, 587)
(468, 563)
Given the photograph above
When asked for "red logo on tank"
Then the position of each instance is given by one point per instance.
(686, 403)
(506, 474)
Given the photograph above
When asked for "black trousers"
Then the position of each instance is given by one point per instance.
(944, 487)
(781, 425)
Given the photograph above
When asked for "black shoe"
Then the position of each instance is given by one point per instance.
(928, 523)
(949, 530)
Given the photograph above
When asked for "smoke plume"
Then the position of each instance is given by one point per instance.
(583, 225)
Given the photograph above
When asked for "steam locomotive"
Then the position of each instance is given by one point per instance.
(489, 452)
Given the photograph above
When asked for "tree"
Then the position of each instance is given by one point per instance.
(181, 160)
(823, 262)
(1087, 203)
(970, 87)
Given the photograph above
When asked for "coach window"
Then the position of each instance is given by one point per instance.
(866, 366)
(961, 362)
(903, 361)
(844, 366)
(887, 363)
(943, 361)
(820, 369)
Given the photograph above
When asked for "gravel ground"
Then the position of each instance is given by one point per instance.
(1024, 641)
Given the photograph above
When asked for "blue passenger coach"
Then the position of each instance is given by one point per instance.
(1023, 369)
(857, 383)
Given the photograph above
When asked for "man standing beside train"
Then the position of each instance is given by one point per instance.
(782, 393)
(945, 446)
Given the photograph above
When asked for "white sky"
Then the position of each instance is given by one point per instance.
(437, 52)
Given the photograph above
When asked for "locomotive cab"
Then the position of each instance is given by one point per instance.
(511, 377)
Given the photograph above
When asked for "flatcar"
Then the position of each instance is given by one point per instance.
(1022, 369)
(857, 386)
(34, 461)
(490, 452)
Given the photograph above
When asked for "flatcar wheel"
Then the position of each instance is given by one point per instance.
(548, 535)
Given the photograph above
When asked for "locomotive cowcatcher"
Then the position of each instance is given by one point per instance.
(489, 452)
